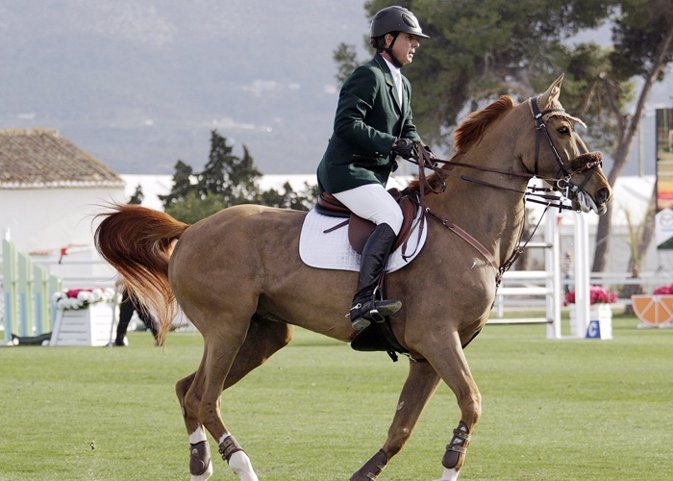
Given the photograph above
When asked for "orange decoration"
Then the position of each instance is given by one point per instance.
(654, 311)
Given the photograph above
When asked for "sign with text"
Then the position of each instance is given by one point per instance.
(664, 215)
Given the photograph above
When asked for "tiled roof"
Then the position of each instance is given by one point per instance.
(41, 158)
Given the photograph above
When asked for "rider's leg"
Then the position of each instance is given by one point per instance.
(373, 203)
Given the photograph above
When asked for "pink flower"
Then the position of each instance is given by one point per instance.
(663, 290)
(82, 298)
(72, 293)
(597, 295)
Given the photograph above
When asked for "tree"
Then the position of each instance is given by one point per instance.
(480, 50)
(226, 180)
(182, 185)
(193, 207)
(302, 200)
(346, 58)
(234, 178)
(138, 196)
(643, 37)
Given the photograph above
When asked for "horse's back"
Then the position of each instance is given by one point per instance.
(247, 218)
(235, 240)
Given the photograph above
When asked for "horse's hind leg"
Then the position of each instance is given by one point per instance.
(200, 463)
(262, 340)
(421, 383)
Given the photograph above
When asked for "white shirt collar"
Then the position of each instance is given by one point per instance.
(397, 77)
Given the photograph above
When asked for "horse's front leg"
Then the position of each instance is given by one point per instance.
(449, 361)
(421, 383)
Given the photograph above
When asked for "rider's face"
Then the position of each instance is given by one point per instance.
(405, 47)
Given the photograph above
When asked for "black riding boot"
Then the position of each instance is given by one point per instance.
(374, 256)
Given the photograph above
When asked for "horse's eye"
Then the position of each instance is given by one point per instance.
(564, 130)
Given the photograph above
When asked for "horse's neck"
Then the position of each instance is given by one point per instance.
(492, 215)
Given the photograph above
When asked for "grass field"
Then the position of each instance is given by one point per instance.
(553, 410)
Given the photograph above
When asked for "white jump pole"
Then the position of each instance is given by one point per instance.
(553, 283)
(582, 274)
(10, 281)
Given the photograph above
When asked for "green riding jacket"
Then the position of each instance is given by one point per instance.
(367, 121)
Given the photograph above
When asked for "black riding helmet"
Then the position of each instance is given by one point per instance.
(394, 20)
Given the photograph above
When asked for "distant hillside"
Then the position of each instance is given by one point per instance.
(140, 84)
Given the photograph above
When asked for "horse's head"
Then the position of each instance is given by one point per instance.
(556, 152)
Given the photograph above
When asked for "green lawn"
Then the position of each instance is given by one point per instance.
(553, 410)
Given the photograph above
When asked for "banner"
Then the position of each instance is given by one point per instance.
(664, 215)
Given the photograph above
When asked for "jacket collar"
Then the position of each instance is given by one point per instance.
(381, 62)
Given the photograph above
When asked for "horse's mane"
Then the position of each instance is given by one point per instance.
(470, 132)
(474, 126)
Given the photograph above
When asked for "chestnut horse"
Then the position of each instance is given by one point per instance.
(238, 276)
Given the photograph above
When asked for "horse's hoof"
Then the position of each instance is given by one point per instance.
(449, 475)
(372, 468)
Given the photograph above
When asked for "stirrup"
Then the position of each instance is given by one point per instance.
(376, 311)
(360, 323)
(359, 317)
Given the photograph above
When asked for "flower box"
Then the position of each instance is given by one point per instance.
(599, 326)
(86, 317)
(655, 310)
(90, 326)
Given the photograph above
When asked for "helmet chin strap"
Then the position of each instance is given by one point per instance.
(389, 51)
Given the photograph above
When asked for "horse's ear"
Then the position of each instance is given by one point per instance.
(546, 100)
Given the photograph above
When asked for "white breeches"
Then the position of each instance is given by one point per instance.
(374, 203)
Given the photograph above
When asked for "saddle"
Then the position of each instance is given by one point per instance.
(360, 229)
(377, 336)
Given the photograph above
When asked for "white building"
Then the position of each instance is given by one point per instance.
(50, 190)
(50, 193)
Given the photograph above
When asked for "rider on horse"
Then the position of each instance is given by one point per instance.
(373, 125)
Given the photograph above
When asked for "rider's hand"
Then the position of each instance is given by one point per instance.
(403, 147)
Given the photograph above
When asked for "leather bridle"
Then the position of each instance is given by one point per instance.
(563, 178)
(561, 182)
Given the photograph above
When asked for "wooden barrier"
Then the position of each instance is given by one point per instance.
(27, 291)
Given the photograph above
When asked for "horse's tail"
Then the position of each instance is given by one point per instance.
(138, 242)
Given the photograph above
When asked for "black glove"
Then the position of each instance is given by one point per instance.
(403, 147)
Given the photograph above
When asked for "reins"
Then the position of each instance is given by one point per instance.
(532, 193)
(425, 161)
(539, 195)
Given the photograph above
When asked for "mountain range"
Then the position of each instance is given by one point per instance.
(140, 85)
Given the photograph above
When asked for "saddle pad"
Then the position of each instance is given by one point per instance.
(333, 251)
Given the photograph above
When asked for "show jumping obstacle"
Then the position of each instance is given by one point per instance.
(238, 276)
(27, 289)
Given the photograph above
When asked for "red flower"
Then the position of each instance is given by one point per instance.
(663, 290)
(597, 295)
(72, 293)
